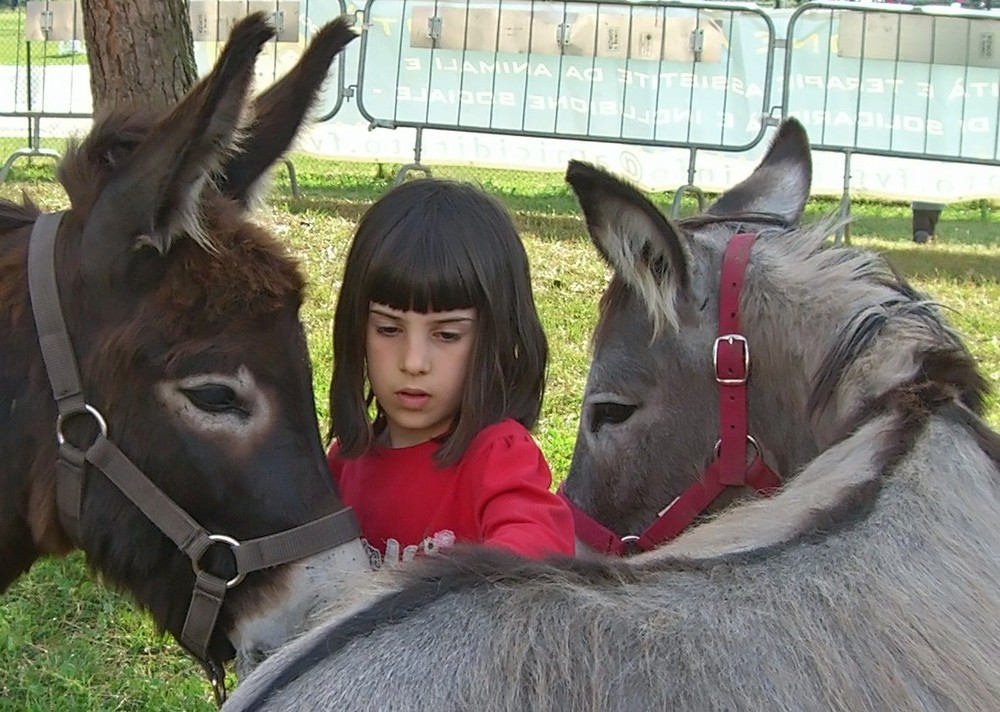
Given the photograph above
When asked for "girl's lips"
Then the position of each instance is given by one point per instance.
(412, 399)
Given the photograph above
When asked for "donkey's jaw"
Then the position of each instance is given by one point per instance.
(310, 586)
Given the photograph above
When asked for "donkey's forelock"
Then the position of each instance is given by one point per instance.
(90, 164)
(248, 274)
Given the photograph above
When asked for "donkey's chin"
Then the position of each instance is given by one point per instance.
(309, 587)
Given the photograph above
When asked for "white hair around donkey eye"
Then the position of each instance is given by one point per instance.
(230, 408)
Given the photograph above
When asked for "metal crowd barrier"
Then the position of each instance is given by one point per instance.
(690, 75)
(44, 81)
(895, 80)
(865, 78)
(50, 77)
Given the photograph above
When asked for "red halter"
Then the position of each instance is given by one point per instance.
(731, 357)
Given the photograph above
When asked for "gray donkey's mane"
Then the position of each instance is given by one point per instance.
(879, 306)
(899, 303)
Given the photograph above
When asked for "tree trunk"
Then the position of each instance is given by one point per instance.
(140, 52)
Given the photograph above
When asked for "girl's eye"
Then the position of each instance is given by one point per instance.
(449, 336)
(215, 398)
(386, 330)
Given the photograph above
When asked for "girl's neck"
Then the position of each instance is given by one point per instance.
(384, 440)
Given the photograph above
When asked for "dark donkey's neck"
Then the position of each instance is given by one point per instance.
(29, 526)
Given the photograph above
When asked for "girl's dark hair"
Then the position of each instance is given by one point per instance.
(437, 245)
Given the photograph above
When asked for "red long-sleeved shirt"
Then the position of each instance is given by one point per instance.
(498, 494)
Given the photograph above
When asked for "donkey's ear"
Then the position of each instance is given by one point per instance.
(153, 195)
(780, 184)
(278, 113)
(635, 239)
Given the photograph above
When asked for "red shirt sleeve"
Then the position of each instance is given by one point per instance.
(516, 508)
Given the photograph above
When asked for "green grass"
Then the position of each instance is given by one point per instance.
(67, 642)
(14, 48)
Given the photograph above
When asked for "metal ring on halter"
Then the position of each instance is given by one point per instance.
(750, 439)
(629, 539)
(233, 544)
(102, 424)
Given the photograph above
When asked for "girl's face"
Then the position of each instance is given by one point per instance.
(417, 364)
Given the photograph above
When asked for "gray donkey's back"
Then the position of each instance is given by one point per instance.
(868, 583)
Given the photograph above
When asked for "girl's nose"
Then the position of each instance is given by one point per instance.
(416, 357)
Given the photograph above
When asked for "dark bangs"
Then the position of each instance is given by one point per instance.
(414, 269)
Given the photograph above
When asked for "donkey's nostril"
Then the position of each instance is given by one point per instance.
(608, 413)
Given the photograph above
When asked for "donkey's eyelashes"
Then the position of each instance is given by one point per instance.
(609, 413)
(116, 152)
(215, 398)
(119, 142)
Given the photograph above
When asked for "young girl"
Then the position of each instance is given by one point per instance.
(438, 372)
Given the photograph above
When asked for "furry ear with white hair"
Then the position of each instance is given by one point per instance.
(153, 194)
(278, 113)
(635, 239)
(156, 191)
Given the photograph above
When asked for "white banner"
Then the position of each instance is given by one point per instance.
(347, 135)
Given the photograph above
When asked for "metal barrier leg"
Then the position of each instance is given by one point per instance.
(409, 167)
(20, 153)
(418, 143)
(675, 207)
(845, 214)
(843, 235)
(34, 147)
(292, 181)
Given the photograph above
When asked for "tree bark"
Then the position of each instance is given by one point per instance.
(140, 52)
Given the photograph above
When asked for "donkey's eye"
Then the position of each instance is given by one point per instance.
(607, 413)
(215, 399)
(117, 152)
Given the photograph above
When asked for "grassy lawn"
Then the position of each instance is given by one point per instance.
(14, 47)
(68, 643)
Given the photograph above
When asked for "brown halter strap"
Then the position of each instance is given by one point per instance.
(71, 466)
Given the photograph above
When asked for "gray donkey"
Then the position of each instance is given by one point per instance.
(868, 582)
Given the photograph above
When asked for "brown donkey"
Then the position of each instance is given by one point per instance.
(189, 458)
